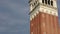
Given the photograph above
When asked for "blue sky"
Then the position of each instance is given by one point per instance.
(14, 18)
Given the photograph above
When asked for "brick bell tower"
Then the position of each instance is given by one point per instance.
(43, 17)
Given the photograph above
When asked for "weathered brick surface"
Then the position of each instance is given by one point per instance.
(44, 23)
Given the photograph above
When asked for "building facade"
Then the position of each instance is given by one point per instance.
(43, 17)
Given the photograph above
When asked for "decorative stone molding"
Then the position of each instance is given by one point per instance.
(44, 9)
(33, 15)
(48, 10)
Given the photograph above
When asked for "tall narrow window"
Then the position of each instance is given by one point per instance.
(49, 2)
(52, 3)
(42, 1)
(45, 1)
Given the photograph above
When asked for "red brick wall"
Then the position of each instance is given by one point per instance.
(44, 23)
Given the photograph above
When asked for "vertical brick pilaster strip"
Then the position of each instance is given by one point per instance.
(47, 24)
(31, 27)
(52, 30)
(56, 24)
(36, 23)
(53, 24)
(43, 24)
(50, 25)
(39, 23)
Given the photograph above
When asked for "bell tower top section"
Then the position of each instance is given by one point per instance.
(49, 3)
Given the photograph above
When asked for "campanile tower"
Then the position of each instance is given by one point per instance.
(43, 17)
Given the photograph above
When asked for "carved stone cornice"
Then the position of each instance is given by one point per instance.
(34, 8)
